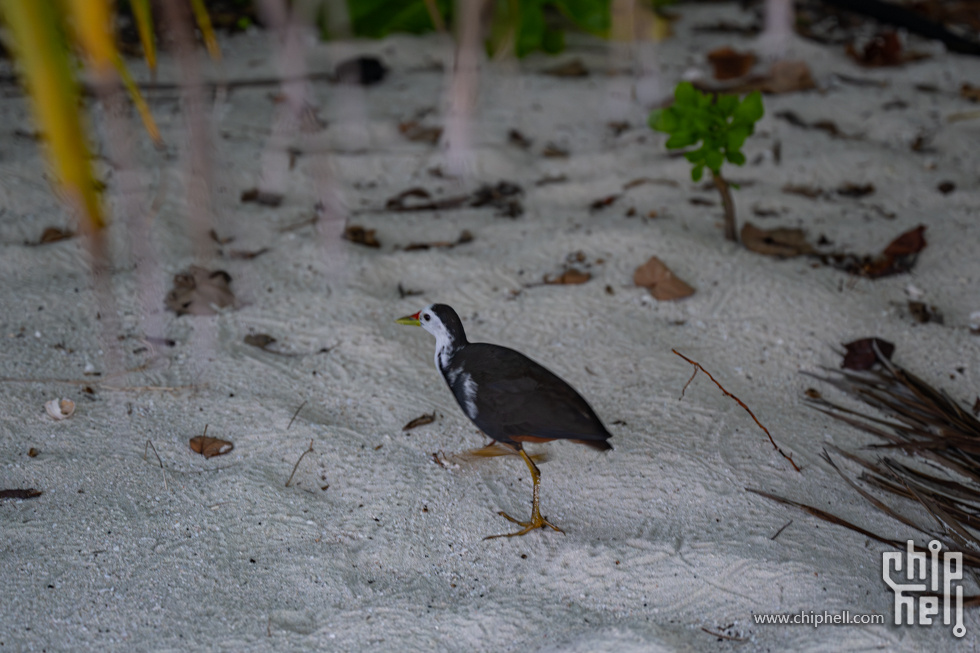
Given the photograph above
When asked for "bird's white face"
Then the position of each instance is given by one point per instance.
(449, 336)
(429, 321)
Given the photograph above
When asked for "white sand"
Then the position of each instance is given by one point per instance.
(662, 540)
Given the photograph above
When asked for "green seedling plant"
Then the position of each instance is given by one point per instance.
(721, 124)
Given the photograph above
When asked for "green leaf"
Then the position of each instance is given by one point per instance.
(680, 139)
(685, 95)
(553, 41)
(750, 109)
(714, 159)
(378, 18)
(697, 172)
(736, 138)
(735, 157)
(591, 15)
(662, 120)
(726, 104)
(530, 27)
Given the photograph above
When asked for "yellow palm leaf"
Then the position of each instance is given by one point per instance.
(144, 24)
(46, 71)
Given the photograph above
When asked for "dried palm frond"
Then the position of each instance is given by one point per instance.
(939, 477)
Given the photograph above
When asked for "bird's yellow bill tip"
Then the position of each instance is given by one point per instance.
(409, 320)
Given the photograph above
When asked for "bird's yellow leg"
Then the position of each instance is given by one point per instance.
(536, 521)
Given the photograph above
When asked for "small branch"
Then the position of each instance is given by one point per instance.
(149, 445)
(785, 526)
(296, 466)
(697, 367)
(730, 637)
(731, 233)
(294, 418)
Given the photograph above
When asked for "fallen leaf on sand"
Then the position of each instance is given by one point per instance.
(911, 242)
(924, 313)
(660, 281)
(970, 92)
(505, 196)
(884, 49)
(571, 68)
(198, 291)
(53, 235)
(422, 420)
(849, 189)
(811, 192)
(730, 64)
(898, 257)
(603, 202)
(554, 151)
(571, 276)
(260, 340)
(465, 236)
(518, 139)
(861, 353)
(418, 133)
(358, 234)
(60, 409)
(781, 242)
(265, 198)
(246, 255)
(28, 493)
(364, 70)
(210, 447)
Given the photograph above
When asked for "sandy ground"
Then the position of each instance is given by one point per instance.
(377, 544)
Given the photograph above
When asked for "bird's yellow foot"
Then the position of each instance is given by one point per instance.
(537, 521)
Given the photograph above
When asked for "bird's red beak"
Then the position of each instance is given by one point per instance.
(410, 320)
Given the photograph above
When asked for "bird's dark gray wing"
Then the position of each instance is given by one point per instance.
(516, 396)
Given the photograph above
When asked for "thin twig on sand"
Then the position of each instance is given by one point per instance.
(698, 367)
(149, 445)
(296, 466)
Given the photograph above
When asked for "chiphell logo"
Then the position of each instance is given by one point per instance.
(920, 567)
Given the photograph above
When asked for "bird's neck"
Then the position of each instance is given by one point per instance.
(446, 348)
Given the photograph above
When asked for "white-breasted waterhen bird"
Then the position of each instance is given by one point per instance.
(509, 397)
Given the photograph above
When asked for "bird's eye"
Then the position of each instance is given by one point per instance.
(427, 317)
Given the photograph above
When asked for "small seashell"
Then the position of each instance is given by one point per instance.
(60, 409)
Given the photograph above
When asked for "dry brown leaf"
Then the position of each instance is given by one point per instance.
(571, 68)
(554, 151)
(603, 202)
(811, 192)
(861, 353)
(849, 189)
(28, 493)
(571, 276)
(781, 242)
(210, 447)
(518, 139)
(199, 292)
(911, 242)
(730, 64)
(421, 420)
(54, 234)
(418, 133)
(884, 49)
(656, 277)
(265, 198)
(260, 340)
(970, 92)
(358, 234)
